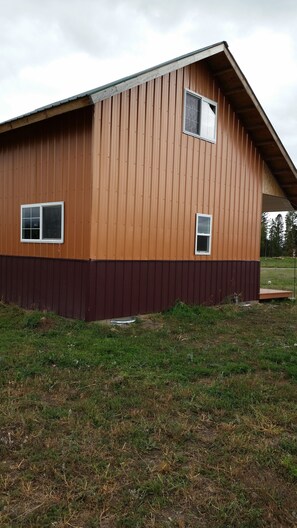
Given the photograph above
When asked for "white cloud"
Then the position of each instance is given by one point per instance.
(268, 60)
(54, 49)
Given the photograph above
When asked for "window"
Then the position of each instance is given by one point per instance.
(200, 116)
(42, 222)
(203, 234)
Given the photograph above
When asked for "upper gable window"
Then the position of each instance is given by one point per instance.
(200, 116)
(43, 222)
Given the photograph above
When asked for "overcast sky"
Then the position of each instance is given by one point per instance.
(53, 49)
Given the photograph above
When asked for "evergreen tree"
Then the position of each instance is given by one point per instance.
(264, 235)
(291, 233)
(276, 236)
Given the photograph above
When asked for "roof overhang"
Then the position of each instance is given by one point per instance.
(234, 86)
(41, 114)
(255, 121)
(275, 203)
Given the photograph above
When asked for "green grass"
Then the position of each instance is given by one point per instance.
(278, 273)
(278, 278)
(277, 262)
(185, 419)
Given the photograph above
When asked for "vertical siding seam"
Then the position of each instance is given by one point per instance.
(151, 175)
(139, 179)
(169, 162)
(161, 226)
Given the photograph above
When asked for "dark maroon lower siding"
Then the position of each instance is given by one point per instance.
(103, 289)
(121, 288)
(45, 284)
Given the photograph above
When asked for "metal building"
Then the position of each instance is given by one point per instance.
(150, 189)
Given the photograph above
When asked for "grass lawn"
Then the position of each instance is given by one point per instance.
(186, 419)
(277, 278)
(278, 262)
(278, 273)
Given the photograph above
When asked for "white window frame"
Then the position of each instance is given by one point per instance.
(43, 240)
(206, 100)
(208, 235)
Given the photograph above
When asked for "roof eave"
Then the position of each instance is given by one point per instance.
(45, 113)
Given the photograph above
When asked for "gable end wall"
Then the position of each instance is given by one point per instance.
(149, 178)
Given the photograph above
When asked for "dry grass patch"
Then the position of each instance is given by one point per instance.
(184, 419)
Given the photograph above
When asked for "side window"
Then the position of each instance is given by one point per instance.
(200, 116)
(43, 222)
(203, 234)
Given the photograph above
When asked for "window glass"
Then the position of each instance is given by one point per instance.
(208, 120)
(30, 223)
(26, 222)
(35, 234)
(192, 123)
(204, 225)
(51, 222)
(26, 234)
(203, 243)
(26, 212)
(200, 116)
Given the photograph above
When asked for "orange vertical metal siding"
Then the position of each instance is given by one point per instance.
(150, 178)
(48, 162)
(132, 181)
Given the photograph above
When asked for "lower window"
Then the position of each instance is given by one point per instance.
(203, 234)
(43, 222)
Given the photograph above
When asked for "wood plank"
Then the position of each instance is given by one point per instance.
(267, 294)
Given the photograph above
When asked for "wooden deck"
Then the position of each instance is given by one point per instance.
(268, 294)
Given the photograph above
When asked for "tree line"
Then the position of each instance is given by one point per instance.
(278, 236)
